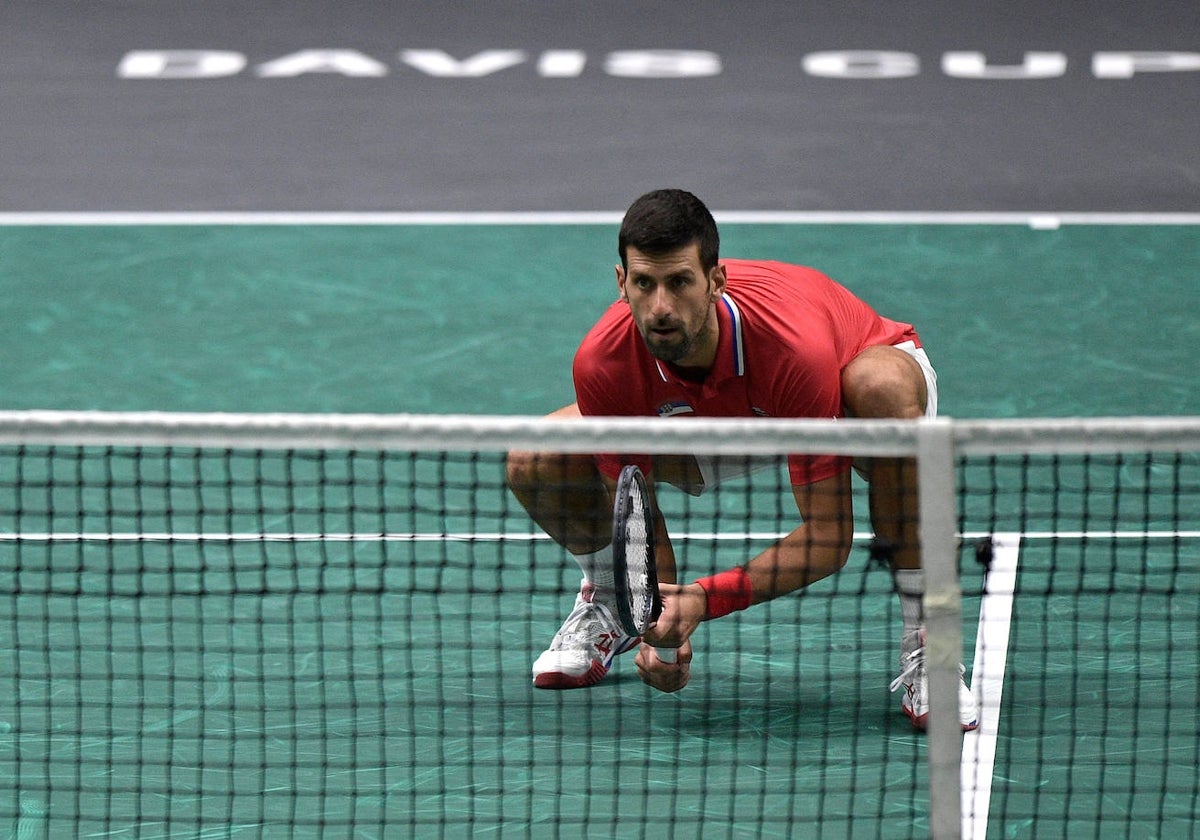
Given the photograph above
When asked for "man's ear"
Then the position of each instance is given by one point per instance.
(621, 296)
(717, 280)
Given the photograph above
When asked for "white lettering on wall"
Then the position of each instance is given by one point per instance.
(973, 65)
(631, 64)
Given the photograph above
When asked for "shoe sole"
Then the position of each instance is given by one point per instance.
(558, 681)
(921, 722)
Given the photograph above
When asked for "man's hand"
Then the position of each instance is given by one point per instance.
(665, 676)
(683, 609)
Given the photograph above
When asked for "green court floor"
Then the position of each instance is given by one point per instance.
(390, 719)
(1082, 320)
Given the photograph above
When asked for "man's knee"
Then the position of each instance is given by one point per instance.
(884, 382)
(520, 469)
(528, 470)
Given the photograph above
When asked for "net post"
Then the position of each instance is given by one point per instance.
(943, 623)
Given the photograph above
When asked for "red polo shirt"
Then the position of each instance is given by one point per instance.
(786, 332)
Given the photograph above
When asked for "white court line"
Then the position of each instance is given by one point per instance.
(346, 537)
(1038, 220)
(498, 536)
(991, 657)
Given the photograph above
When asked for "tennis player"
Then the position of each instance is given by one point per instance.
(694, 335)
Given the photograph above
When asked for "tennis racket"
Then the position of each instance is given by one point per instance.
(635, 576)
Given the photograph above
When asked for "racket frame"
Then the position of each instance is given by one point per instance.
(631, 481)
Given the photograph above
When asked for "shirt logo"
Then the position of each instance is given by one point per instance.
(670, 409)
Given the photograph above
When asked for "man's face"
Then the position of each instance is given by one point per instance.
(673, 303)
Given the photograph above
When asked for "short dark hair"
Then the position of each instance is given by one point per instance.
(667, 220)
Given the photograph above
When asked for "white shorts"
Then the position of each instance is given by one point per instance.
(715, 469)
(918, 353)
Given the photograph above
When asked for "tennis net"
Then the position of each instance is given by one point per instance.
(294, 626)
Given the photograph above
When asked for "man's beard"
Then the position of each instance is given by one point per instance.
(682, 346)
(673, 351)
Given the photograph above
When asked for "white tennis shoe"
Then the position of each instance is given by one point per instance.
(915, 682)
(584, 647)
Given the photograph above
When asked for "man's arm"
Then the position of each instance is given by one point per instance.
(814, 550)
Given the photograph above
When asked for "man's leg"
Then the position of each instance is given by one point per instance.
(889, 383)
(566, 496)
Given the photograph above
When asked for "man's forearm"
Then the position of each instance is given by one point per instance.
(803, 557)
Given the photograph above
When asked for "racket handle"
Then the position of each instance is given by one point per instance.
(667, 654)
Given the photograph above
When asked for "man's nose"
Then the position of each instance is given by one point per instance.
(660, 303)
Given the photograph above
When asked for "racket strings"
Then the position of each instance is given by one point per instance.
(637, 557)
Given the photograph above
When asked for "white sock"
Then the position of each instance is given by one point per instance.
(910, 586)
(597, 571)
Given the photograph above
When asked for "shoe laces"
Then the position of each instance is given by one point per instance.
(913, 668)
(912, 663)
(585, 624)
